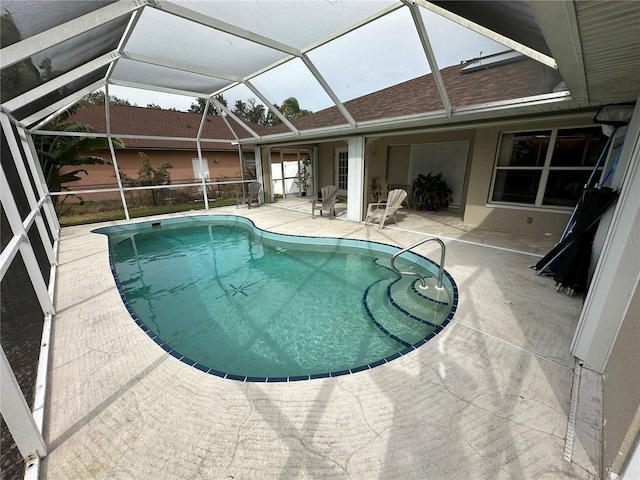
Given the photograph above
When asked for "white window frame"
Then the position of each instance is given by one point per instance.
(545, 169)
(200, 168)
(341, 154)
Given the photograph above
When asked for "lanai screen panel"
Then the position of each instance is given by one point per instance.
(175, 40)
(359, 48)
(501, 75)
(60, 58)
(299, 23)
(514, 20)
(454, 44)
(293, 79)
(382, 53)
(41, 104)
(165, 77)
(36, 16)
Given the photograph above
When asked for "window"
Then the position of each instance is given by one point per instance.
(545, 168)
(250, 166)
(342, 170)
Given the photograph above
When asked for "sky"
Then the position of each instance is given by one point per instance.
(383, 53)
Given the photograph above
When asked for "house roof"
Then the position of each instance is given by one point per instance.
(128, 122)
(199, 49)
(520, 77)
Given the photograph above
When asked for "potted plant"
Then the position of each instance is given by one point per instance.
(304, 174)
(431, 192)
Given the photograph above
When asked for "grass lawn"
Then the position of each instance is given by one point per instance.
(93, 212)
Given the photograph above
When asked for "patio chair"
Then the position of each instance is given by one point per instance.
(327, 203)
(253, 189)
(381, 211)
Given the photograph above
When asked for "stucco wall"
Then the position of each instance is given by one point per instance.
(129, 161)
(397, 163)
(326, 162)
(529, 220)
(621, 392)
(388, 157)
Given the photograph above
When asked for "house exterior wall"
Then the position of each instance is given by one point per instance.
(326, 162)
(397, 163)
(528, 220)
(389, 157)
(621, 393)
(129, 162)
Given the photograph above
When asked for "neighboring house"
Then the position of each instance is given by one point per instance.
(221, 158)
(136, 126)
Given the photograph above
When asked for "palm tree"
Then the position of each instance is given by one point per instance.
(57, 152)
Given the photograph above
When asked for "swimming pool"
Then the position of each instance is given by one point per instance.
(239, 302)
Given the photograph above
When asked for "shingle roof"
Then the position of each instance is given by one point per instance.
(168, 123)
(522, 78)
(508, 81)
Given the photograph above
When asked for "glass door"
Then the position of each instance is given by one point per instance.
(342, 171)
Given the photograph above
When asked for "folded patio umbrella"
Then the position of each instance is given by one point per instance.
(570, 258)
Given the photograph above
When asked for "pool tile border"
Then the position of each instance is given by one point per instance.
(315, 240)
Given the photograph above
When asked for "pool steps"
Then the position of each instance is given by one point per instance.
(421, 315)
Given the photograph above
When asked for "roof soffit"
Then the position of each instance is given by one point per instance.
(514, 19)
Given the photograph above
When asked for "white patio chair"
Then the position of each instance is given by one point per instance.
(381, 211)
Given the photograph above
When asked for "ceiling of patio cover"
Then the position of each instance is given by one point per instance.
(56, 51)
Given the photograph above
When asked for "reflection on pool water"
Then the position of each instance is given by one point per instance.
(236, 301)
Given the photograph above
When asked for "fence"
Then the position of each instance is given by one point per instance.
(102, 202)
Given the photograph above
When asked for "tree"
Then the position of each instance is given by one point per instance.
(254, 112)
(199, 104)
(56, 152)
(97, 98)
(149, 176)
(291, 110)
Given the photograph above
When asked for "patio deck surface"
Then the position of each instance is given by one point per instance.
(488, 398)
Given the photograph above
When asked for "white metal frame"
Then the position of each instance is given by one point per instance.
(617, 271)
(25, 425)
(32, 45)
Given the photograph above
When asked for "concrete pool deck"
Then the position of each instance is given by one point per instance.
(488, 398)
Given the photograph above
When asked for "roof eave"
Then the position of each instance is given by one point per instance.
(540, 104)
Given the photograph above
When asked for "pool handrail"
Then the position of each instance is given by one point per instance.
(416, 274)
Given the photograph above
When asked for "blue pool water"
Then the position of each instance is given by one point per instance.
(242, 303)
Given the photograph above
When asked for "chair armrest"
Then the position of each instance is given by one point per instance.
(374, 207)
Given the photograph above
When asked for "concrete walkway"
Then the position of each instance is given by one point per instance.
(488, 398)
